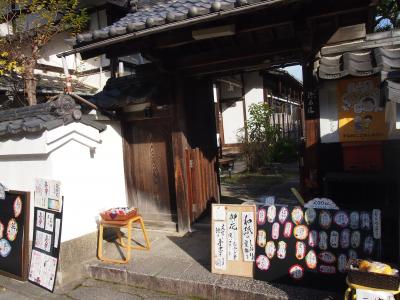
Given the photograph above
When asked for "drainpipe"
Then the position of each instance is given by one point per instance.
(68, 78)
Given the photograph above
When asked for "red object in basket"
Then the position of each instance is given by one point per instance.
(117, 215)
(363, 156)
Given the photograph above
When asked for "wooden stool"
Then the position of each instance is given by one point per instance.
(350, 291)
(128, 246)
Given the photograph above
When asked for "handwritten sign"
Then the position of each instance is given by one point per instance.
(220, 245)
(321, 203)
(233, 239)
(48, 194)
(248, 244)
(233, 235)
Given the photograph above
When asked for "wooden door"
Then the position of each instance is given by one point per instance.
(148, 166)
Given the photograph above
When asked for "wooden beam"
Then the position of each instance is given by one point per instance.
(179, 147)
(229, 55)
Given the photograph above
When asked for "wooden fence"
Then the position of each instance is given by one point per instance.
(202, 179)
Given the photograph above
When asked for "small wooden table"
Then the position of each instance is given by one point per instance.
(127, 246)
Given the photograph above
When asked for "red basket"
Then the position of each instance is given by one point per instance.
(109, 216)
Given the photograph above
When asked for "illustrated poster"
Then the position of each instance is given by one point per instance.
(45, 248)
(361, 118)
(311, 247)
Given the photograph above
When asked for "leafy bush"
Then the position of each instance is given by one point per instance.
(262, 136)
(285, 150)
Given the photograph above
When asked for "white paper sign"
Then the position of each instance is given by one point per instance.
(321, 203)
(376, 223)
(48, 194)
(43, 269)
(41, 219)
(43, 241)
(49, 222)
(373, 295)
(2, 192)
(248, 240)
(218, 212)
(57, 233)
(220, 245)
(233, 235)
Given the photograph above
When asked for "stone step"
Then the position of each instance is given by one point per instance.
(200, 283)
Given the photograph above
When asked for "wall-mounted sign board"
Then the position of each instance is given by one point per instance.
(233, 239)
(46, 234)
(45, 248)
(14, 234)
(312, 247)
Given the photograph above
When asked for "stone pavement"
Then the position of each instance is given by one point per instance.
(88, 289)
(181, 265)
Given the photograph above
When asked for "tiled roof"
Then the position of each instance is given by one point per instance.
(376, 52)
(52, 85)
(41, 117)
(364, 63)
(393, 91)
(163, 12)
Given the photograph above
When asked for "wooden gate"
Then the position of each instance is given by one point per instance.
(202, 180)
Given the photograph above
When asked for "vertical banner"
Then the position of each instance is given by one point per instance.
(46, 234)
(361, 118)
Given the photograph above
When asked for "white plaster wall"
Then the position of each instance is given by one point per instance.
(329, 123)
(233, 120)
(91, 180)
(254, 89)
(233, 116)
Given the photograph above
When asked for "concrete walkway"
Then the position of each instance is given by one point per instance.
(181, 265)
(88, 289)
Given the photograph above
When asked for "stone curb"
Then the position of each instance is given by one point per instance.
(220, 289)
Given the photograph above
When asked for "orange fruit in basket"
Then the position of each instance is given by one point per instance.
(364, 265)
(380, 268)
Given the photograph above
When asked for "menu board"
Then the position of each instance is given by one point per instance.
(311, 246)
(45, 248)
(233, 239)
(14, 234)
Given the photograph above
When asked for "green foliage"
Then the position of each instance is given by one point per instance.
(285, 150)
(261, 137)
(387, 10)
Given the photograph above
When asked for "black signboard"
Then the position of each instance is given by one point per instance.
(14, 234)
(45, 248)
(311, 247)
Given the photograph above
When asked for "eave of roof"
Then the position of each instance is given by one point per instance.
(192, 13)
(376, 53)
(42, 117)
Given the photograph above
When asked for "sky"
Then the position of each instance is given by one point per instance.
(295, 71)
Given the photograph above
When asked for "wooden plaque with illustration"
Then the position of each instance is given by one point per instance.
(233, 239)
(14, 234)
